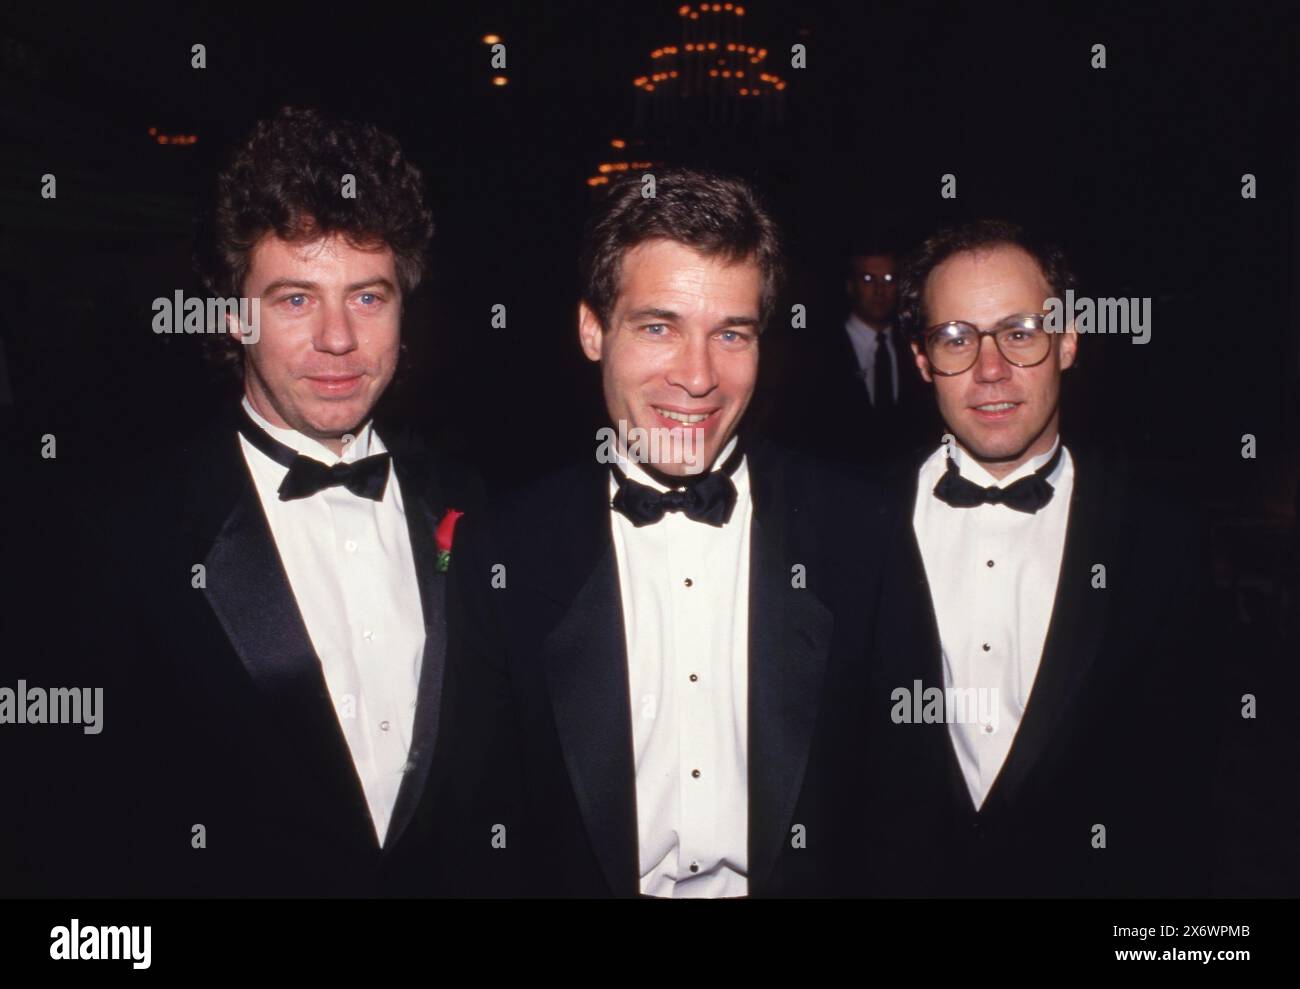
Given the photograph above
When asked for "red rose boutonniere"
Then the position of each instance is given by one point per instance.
(443, 536)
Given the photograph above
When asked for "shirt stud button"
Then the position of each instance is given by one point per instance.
(688, 582)
(694, 678)
(695, 866)
(383, 726)
(990, 563)
(986, 647)
(695, 773)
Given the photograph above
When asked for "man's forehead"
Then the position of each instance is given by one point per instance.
(317, 251)
(987, 274)
(997, 262)
(874, 262)
(661, 266)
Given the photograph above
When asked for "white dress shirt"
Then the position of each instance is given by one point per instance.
(867, 344)
(350, 566)
(685, 594)
(993, 573)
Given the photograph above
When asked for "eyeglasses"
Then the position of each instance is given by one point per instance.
(953, 348)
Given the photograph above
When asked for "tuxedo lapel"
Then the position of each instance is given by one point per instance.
(921, 626)
(422, 505)
(789, 642)
(1074, 635)
(248, 590)
(585, 657)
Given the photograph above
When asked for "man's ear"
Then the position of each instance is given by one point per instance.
(922, 363)
(232, 326)
(590, 334)
(1069, 346)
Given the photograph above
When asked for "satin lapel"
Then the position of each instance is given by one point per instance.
(585, 657)
(248, 590)
(422, 506)
(789, 643)
(919, 603)
(1074, 635)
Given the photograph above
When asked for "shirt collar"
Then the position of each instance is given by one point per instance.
(972, 470)
(316, 450)
(855, 322)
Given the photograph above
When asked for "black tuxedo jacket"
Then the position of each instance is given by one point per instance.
(1119, 731)
(544, 661)
(221, 716)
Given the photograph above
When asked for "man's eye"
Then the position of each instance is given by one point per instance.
(368, 298)
(655, 329)
(733, 336)
(296, 301)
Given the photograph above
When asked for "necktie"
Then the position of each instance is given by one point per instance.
(366, 478)
(882, 391)
(708, 498)
(1028, 494)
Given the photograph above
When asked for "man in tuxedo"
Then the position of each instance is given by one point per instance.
(660, 647)
(283, 715)
(865, 402)
(1040, 698)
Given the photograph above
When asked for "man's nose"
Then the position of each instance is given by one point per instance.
(336, 335)
(693, 370)
(990, 365)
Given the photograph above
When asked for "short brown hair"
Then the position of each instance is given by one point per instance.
(719, 216)
(977, 235)
(286, 178)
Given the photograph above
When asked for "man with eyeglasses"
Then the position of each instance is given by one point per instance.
(1039, 703)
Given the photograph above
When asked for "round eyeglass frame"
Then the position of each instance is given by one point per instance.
(1006, 324)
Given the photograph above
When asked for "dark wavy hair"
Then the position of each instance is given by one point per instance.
(977, 235)
(719, 216)
(286, 179)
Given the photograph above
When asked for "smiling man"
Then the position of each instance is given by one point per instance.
(1041, 581)
(331, 311)
(290, 694)
(660, 650)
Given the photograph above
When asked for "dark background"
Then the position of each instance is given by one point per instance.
(1135, 168)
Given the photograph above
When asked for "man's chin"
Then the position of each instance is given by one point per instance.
(994, 449)
(335, 423)
(677, 451)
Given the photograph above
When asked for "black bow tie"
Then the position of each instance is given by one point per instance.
(366, 478)
(708, 498)
(1028, 494)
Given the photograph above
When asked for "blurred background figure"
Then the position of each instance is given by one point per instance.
(856, 394)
